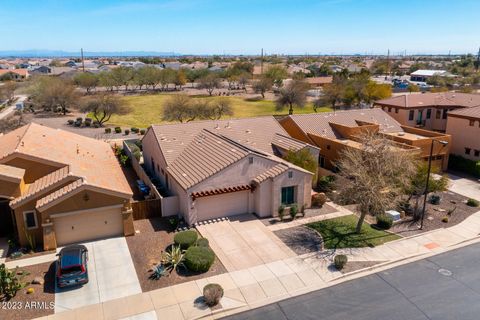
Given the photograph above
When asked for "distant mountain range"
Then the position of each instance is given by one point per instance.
(59, 53)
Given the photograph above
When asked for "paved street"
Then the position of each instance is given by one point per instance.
(446, 286)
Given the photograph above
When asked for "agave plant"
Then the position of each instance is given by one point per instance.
(173, 259)
(158, 272)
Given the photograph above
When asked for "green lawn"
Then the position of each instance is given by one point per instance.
(340, 233)
(147, 110)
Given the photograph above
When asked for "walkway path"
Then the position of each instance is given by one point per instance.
(11, 108)
(270, 282)
(466, 187)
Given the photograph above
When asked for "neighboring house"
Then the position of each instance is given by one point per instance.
(14, 74)
(227, 167)
(41, 70)
(464, 127)
(332, 132)
(318, 82)
(427, 110)
(59, 188)
(424, 75)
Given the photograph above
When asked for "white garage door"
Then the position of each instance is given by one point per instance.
(90, 225)
(223, 205)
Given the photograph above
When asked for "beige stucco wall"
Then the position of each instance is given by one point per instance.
(151, 149)
(33, 169)
(10, 189)
(464, 136)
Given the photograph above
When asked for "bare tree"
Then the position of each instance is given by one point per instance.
(376, 173)
(103, 106)
(7, 91)
(210, 82)
(180, 108)
(262, 85)
(218, 108)
(293, 94)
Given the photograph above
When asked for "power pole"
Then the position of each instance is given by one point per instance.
(83, 62)
(477, 65)
(388, 64)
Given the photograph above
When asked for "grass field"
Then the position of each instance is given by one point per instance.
(340, 233)
(147, 110)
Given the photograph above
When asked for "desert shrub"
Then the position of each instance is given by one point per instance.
(118, 130)
(186, 239)
(384, 221)
(70, 122)
(134, 129)
(199, 259)
(319, 199)
(293, 210)
(80, 119)
(142, 131)
(203, 242)
(340, 261)
(108, 130)
(127, 132)
(326, 183)
(445, 219)
(212, 293)
(434, 199)
(473, 203)
(459, 163)
(281, 212)
(77, 124)
(173, 221)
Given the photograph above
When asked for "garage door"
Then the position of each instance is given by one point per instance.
(90, 225)
(222, 205)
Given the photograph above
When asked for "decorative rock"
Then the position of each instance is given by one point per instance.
(30, 290)
(38, 280)
(429, 218)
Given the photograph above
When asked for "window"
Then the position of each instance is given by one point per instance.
(438, 114)
(472, 123)
(389, 109)
(322, 162)
(288, 195)
(411, 114)
(396, 110)
(429, 113)
(30, 219)
(477, 153)
(290, 174)
(467, 150)
(250, 160)
(445, 112)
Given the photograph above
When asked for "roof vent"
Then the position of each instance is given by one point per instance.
(401, 134)
(217, 126)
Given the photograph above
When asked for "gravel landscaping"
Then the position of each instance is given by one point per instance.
(301, 239)
(37, 304)
(358, 265)
(153, 237)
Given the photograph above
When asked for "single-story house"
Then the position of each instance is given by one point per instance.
(57, 188)
(423, 75)
(13, 74)
(227, 167)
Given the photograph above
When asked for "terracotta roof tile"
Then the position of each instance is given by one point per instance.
(59, 193)
(466, 112)
(287, 143)
(271, 173)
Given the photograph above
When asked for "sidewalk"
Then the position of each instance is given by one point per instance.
(267, 283)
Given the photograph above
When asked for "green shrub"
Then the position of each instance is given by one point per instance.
(10, 281)
(212, 293)
(384, 221)
(340, 261)
(70, 122)
(158, 272)
(142, 131)
(459, 163)
(108, 130)
(118, 130)
(173, 221)
(173, 258)
(472, 203)
(319, 199)
(445, 219)
(281, 212)
(293, 210)
(199, 259)
(186, 239)
(326, 183)
(203, 242)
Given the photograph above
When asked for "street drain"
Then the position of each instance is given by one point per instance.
(445, 272)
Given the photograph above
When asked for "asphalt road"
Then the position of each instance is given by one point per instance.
(445, 286)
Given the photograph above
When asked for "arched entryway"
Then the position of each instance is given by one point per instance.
(6, 218)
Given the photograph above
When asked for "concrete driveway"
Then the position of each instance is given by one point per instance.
(466, 187)
(111, 276)
(243, 241)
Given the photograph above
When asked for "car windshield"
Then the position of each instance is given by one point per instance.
(72, 270)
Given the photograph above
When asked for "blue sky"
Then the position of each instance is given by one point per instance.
(242, 27)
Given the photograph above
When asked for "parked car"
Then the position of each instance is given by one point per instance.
(72, 266)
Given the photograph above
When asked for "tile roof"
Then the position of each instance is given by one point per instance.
(319, 123)
(11, 173)
(257, 133)
(271, 173)
(42, 184)
(453, 99)
(287, 143)
(214, 192)
(204, 156)
(466, 112)
(59, 193)
(91, 159)
(21, 72)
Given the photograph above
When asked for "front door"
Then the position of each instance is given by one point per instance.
(6, 222)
